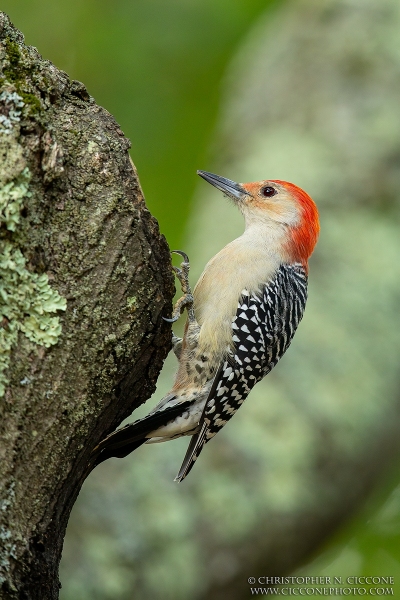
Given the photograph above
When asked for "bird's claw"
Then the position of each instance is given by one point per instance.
(183, 254)
(171, 320)
(185, 302)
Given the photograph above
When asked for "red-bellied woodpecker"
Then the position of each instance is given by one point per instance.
(242, 316)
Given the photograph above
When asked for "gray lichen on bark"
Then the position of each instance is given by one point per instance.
(89, 274)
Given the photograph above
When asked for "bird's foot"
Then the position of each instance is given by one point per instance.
(187, 299)
(183, 273)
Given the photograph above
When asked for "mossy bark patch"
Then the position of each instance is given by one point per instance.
(27, 301)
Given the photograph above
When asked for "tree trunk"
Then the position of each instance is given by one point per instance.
(85, 280)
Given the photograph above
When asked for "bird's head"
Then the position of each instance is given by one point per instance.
(277, 205)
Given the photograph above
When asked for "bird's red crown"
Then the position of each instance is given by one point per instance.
(305, 235)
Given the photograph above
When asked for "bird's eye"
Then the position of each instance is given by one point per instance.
(268, 191)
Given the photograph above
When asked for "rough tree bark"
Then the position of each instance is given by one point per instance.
(85, 279)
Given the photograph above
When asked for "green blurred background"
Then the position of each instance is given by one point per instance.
(305, 479)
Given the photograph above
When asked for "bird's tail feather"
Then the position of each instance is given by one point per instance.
(123, 441)
(195, 447)
(115, 453)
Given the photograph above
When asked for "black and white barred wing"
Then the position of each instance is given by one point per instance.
(262, 329)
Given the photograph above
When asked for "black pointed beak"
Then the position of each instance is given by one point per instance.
(230, 188)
